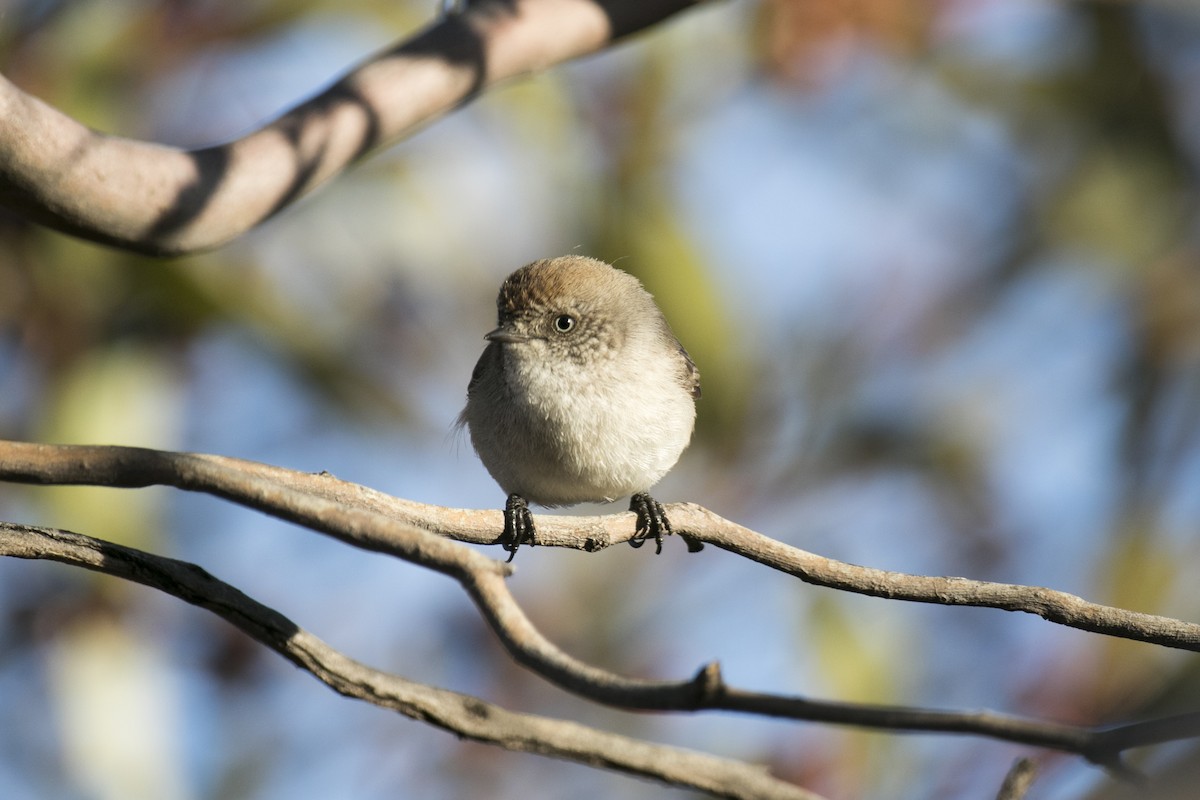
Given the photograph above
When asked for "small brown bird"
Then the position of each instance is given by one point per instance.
(583, 394)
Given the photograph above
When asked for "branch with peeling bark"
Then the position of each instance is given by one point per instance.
(151, 198)
(424, 535)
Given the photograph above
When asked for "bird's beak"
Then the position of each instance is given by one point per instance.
(505, 335)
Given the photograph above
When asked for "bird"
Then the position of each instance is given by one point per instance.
(582, 394)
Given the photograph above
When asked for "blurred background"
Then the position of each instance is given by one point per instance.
(938, 263)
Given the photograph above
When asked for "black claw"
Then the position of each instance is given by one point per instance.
(518, 525)
(651, 521)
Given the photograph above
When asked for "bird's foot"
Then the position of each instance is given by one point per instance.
(518, 525)
(651, 521)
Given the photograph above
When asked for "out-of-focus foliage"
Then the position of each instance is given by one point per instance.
(937, 262)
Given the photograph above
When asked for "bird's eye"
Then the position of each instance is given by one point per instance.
(564, 323)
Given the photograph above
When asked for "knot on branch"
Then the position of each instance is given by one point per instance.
(708, 684)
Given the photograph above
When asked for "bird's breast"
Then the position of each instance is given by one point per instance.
(601, 432)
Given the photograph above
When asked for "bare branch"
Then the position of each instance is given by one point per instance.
(464, 715)
(225, 477)
(1052, 605)
(370, 520)
(164, 200)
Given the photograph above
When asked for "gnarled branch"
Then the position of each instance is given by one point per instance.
(369, 520)
(163, 200)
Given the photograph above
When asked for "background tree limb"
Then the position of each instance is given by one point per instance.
(162, 200)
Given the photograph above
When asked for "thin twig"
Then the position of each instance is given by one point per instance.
(464, 715)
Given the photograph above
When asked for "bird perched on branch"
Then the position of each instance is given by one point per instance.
(583, 394)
